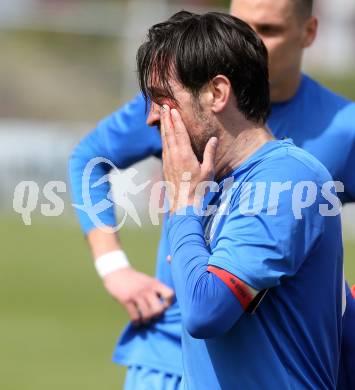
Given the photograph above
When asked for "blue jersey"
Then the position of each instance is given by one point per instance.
(124, 138)
(293, 339)
(322, 123)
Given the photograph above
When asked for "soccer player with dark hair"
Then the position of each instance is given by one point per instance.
(211, 102)
(318, 121)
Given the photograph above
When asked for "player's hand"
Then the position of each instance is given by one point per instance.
(179, 160)
(144, 297)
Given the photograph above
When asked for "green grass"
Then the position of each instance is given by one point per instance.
(57, 324)
(343, 84)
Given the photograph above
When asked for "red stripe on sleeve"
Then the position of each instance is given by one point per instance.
(240, 289)
(353, 291)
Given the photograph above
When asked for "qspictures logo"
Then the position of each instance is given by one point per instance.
(246, 197)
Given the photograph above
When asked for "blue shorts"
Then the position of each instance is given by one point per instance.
(144, 378)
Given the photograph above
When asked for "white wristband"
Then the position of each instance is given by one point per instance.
(110, 262)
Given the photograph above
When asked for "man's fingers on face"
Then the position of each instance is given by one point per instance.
(168, 128)
(209, 155)
(181, 134)
(164, 141)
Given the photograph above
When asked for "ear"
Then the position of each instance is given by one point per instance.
(310, 31)
(220, 90)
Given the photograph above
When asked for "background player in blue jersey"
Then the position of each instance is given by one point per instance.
(315, 118)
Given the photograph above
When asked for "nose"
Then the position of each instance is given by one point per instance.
(153, 115)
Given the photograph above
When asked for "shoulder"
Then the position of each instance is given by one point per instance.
(342, 110)
(285, 162)
(314, 88)
(135, 110)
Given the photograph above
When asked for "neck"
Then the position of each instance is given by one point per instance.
(234, 149)
(285, 90)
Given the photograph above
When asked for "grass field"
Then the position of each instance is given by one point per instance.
(57, 324)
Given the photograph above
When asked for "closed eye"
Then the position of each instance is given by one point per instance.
(269, 30)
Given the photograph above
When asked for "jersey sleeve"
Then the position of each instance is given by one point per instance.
(207, 304)
(261, 248)
(123, 138)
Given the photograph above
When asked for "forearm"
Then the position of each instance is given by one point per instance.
(208, 306)
(83, 197)
(102, 242)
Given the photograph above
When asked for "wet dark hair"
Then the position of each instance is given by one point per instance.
(192, 49)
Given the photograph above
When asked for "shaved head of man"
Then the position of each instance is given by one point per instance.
(287, 27)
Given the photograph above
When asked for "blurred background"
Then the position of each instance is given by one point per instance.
(64, 65)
